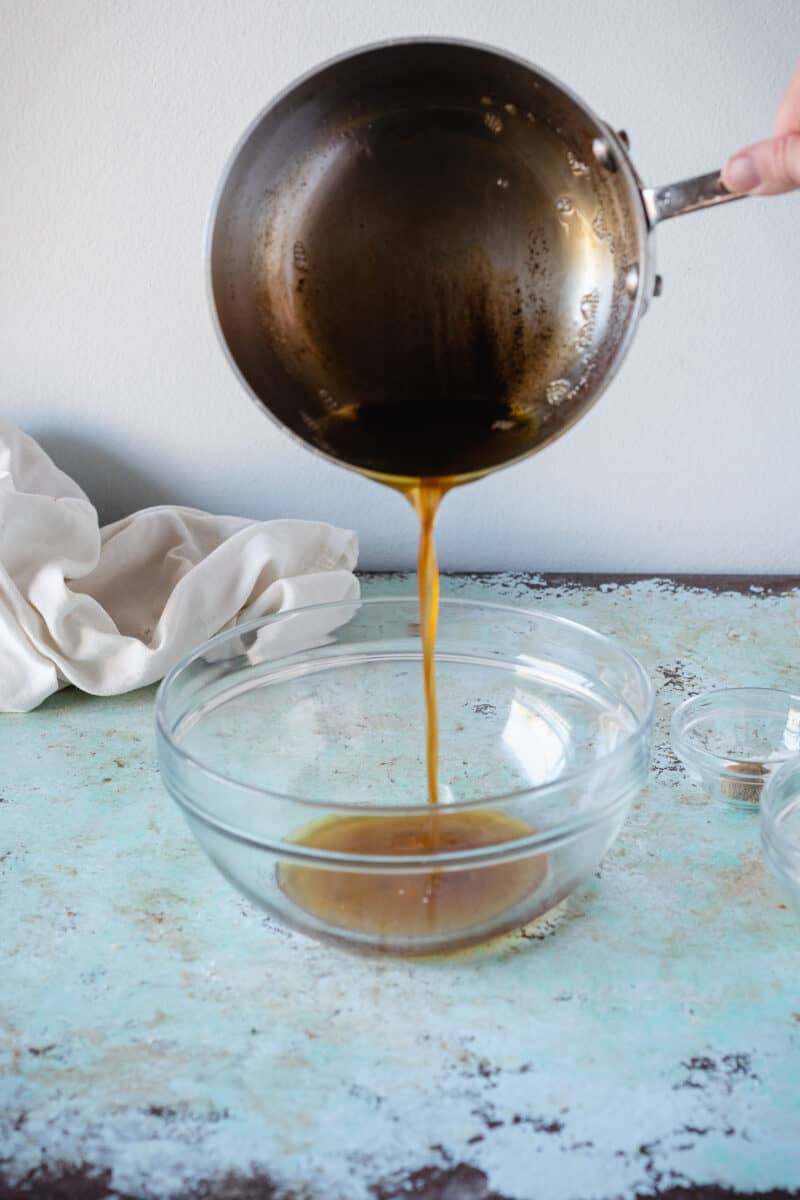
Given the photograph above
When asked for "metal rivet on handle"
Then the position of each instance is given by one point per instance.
(603, 155)
(632, 280)
(623, 137)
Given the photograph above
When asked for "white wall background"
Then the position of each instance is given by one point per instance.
(115, 119)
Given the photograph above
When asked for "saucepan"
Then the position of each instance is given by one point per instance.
(427, 259)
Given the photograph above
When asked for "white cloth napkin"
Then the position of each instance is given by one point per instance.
(112, 609)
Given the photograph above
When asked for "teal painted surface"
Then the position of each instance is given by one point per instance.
(155, 1025)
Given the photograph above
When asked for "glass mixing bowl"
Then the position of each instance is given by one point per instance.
(780, 826)
(732, 739)
(295, 747)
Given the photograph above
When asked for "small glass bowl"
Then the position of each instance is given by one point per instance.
(731, 740)
(295, 747)
(780, 826)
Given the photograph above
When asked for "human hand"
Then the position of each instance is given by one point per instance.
(773, 166)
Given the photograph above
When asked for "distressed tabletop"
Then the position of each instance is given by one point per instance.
(160, 1037)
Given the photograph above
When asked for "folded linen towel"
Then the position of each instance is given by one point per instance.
(112, 609)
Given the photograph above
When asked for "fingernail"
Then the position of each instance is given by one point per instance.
(741, 174)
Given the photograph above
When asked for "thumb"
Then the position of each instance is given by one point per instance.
(766, 168)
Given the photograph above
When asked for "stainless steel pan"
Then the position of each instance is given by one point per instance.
(428, 258)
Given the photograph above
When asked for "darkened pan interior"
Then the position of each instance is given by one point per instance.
(416, 264)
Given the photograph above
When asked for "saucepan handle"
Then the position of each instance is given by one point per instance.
(690, 195)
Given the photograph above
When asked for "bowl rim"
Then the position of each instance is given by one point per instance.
(713, 700)
(568, 779)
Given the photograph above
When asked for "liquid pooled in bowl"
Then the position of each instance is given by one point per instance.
(414, 905)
